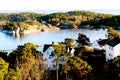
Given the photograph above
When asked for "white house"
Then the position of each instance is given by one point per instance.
(112, 48)
(47, 50)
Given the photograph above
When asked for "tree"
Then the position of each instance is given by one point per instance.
(82, 40)
(76, 66)
(69, 42)
(116, 62)
(3, 69)
(114, 71)
(26, 63)
(112, 33)
(59, 55)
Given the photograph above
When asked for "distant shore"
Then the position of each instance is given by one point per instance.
(31, 29)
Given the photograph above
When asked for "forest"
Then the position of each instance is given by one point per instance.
(74, 19)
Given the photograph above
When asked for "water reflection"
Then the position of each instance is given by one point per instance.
(15, 36)
(18, 36)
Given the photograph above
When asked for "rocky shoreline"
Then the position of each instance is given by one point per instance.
(31, 29)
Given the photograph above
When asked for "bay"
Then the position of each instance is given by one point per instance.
(8, 41)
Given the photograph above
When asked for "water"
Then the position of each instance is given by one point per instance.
(8, 41)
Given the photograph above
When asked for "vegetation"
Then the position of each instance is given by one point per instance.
(18, 17)
(22, 25)
(104, 22)
(3, 69)
(112, 33)
(24, 63)
(77, 19)
(82, 40)
(76, 68)
(59, 56)
(11, 26)
(70, 64)
(69, 42)
(113, 69)
(116, 62)
(74, 18)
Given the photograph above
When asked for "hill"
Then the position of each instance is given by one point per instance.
(73, 19)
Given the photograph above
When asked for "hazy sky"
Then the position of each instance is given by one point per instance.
(57, 5)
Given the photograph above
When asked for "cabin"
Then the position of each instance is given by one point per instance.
(112, 48)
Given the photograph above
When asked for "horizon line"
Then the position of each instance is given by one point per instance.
(104, 11)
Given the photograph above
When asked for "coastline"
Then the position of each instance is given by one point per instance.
(31, 29)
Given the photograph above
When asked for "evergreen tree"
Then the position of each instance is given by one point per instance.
(3, 69)
(112, 33)
(82, 40)
(25, 63)
(75, 66)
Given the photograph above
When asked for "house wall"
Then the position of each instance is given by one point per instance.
(109, 52)
(48, 63)
(48, 51)
(72, 51)
(117, 50)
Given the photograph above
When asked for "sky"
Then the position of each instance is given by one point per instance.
(50, 6)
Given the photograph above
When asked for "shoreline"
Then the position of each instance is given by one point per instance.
(31, 29)
(42, 28)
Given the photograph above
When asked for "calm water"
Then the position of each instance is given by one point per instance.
(8, 41)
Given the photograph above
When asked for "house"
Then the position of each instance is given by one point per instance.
(112, 48)
(47, 50)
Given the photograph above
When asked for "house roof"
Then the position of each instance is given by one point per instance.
(46, 46)
(102, 41)
(113, 42)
